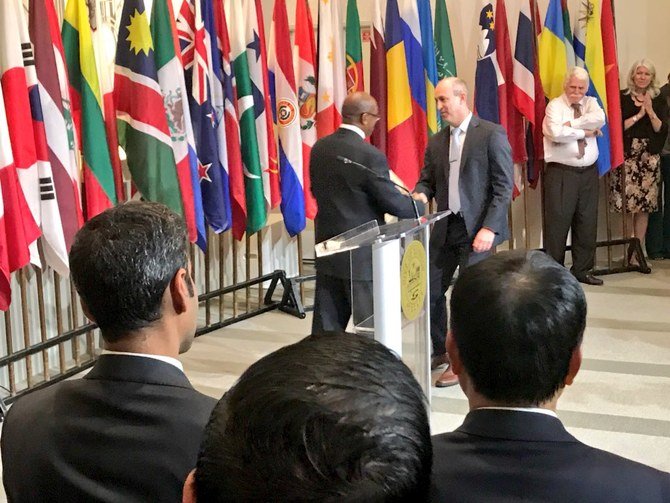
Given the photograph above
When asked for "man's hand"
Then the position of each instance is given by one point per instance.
(483, 240)
(420, 196)
(591, 133)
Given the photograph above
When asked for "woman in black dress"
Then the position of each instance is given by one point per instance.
(643, 112)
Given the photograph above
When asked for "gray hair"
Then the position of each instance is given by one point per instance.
(458, 85)
(578, 72)
(654, 89)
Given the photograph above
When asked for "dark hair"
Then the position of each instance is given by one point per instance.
(335, 417)
(516, 318)
(121, 262)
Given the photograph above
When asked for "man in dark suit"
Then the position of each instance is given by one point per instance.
(468, 170)
(335, 417)
(517, 322)
(130, 429)
(348, 196)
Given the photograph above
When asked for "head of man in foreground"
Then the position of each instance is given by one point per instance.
(517, 324)
(131, 269)
(335, 417)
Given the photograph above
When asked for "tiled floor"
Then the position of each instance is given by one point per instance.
(619, 401)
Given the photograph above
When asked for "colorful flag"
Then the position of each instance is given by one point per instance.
(99, 187)
(403, 145)
(103, 38)
(612, 84)
(354, 51)
(282, 76)
(192, 40)
(72, 166)
(411, 29)
(234, 154)
(429, 64)
(555, 53)
(510, 118)
(15, 57)
(175, 102)
(444, 48)
(487, 73)
(256, 215)
(215, 76)
(378, 85)
(7, 170)
(579, 36)
(17, 227)
(59, 129)
(258, 73)
(142, 124)
(305, 63)
(595, 65)
(528, 96)
(43, 188)
(331, 79)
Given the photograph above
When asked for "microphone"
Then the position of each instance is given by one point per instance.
(346, 160)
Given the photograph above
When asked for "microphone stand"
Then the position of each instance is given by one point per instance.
(346, 160)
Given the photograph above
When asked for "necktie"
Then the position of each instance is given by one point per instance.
(454, 170)
(581, 144)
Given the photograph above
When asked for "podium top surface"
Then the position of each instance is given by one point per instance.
(370, 233)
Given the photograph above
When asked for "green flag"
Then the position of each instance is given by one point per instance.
(253, 182)
(444, 48)
(354, 51)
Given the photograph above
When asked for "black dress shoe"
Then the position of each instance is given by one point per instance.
(590, 279)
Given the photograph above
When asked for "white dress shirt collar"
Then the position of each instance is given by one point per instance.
(353, 128)
(167, 359)
(463, 126)
(536, 410)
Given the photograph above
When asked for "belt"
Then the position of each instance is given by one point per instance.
(558, 165)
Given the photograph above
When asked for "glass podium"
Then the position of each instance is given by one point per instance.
(401, 298)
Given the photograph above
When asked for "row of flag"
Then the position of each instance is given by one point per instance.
(217, 121)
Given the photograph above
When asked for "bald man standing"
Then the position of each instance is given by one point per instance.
(347, 196)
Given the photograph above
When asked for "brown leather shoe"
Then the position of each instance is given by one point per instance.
(438, 361)
(448, 378)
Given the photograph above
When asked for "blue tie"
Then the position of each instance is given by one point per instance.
(454, 170)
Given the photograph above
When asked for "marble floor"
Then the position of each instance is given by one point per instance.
(619, 401)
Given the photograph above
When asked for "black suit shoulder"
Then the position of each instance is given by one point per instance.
(553, 467)
(104, 437)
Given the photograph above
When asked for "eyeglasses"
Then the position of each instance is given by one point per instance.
(377, 117)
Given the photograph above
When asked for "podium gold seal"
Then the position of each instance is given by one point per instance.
(413, 278)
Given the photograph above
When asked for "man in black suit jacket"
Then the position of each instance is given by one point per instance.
(131, 428)
(474, 156)
(348, 196)
(517, 322)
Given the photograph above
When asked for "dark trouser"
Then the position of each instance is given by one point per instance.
(333, 303)
(571, 200)
(455, 252)
(658, 230)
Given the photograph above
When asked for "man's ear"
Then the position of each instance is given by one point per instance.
(574, 365)
(179, 290)
(454, 356)
(188, 492)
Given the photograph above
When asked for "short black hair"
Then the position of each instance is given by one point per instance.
(121, 262)
(517, 318)
(334, 417)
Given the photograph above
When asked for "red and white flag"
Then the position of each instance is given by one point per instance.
(332, 87)
(59, 141)
(510, 118)
(305, 67)
(15, 52)
(6, 170)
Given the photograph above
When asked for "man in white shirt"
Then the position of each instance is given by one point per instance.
(517, 323)
(571, 125)
(130, 429)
